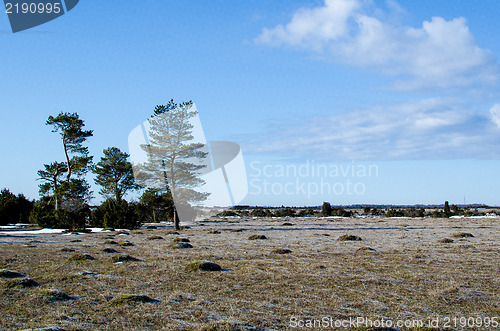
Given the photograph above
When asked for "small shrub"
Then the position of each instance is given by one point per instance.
(181, 245)
(82, 257)
(214, 232)
(45, 215)
(155, 238)
(203, 266)
(282, 251)
(463, 235)
(287, 224)
(4, 273)
(116, 214)
(236, 230)
(124, 258)
(285, 212)
(172, 232)
(125, 243)
(111, 242)
(227, 213)
(257, 237)
(446, 241)
(349, 237)
(21, 283)
(14, 209)
(131, 299)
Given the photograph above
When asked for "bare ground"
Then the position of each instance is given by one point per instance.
(399, 271)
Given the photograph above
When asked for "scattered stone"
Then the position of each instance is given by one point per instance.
(47, 328)
(21, 283)
(349, 237)
(82, 257)
(87, 273)
(132, 298)
(256, 237)
(108, 229)
(287, 224)
(366, 249)
(109, 237)
(203, 266)
(181, 245)
(67, 249)
(463, 235)
(125, 243)
(49, 296)
(282, 251)
(75, 241)
(214, 232)
(4, 273)
(125, 233)
(110, 250)
(172, 232)
(155, 238)
(236, 230)
(226, 325)
(446, 241)
(124, 258)
(183, 240)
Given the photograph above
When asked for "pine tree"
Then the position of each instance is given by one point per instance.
(174, 161)
(114, 174)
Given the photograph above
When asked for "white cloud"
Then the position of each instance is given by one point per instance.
(313, 27)
(495, 114)
(440, 53)
(434, 128)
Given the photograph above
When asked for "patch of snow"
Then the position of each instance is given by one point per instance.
(42, 231)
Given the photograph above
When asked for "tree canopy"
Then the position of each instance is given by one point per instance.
(114, 174)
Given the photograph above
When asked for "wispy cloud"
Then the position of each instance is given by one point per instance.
(439, 54)
(435, 128)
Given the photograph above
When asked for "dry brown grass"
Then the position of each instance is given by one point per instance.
(409, 275)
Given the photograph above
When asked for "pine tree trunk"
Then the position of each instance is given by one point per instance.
(176, 220)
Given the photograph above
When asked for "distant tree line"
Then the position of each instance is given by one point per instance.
(327, 209)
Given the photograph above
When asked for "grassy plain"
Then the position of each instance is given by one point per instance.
(401, 269)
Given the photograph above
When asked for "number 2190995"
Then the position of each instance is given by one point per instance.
(32, 8)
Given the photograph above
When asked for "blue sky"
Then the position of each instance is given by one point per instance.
(411, 87)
